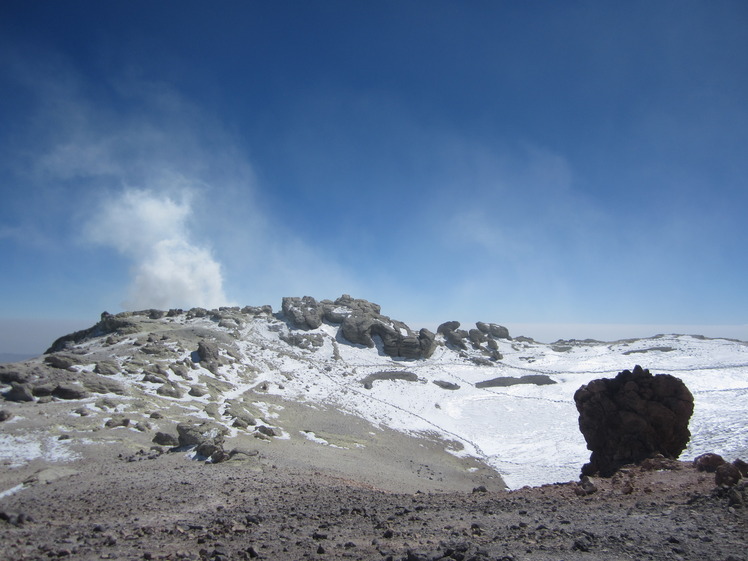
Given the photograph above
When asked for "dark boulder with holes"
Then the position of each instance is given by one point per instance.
(727, 475)
(708, 462)
(632, 417)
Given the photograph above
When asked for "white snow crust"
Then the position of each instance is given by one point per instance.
(528, 432)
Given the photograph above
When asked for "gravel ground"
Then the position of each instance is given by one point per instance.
(120, 506)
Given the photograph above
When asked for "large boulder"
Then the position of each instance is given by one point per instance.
(209, 356)
(69, 391)
(303, 313)
(61, 361)
(360, 321)
(19, 392)
(632, 417)
(494, 330)
(192, 434)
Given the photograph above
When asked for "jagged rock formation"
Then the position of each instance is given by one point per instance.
(633, 417)
(360, 321)
(482, 339)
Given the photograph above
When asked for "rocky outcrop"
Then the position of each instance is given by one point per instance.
(61, 361)
(120, 323)
(69, 391)
(19, 392)
(725, 474)
(106, 368)
(633, 417)
(447, 385)
(308, 341)
(209, 356)
(303, 313)
(165, 439)
(368, 382)
(360, 322)
(494, 330)
(193, 434)
(506, 381)
(206, 437)
(482, 339)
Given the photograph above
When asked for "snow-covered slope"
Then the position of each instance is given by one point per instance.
(527, 431)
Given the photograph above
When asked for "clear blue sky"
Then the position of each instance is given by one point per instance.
(518, 162)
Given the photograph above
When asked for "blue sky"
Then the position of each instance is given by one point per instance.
(575, 164)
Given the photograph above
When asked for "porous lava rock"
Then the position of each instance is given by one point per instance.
(632, 417)
(708, 462)
(727, 475)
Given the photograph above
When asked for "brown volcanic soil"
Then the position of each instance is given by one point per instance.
(170, 507)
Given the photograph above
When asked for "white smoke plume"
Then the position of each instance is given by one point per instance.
(151, 229)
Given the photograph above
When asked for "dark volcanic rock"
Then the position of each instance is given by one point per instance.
(368, 382)
(304, 313)
(708, 462)
(99, 384)
(457, 338)
(727, 475)
(308, 341)
(165, 439)
(170, 389)
(363, 321)
(69, 391)
(505, 381)
(194, 434)
(209, 356)
(109, 323)
(494, 330)
(448, 326)
(633, 417)
(118, 421)
(106, 368)
(8, 375)
(60, 361)
(446, 385)
(18, 392)
(742, 466)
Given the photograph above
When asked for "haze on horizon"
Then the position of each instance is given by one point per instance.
(576, 169)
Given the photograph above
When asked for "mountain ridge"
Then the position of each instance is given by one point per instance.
(471, 390)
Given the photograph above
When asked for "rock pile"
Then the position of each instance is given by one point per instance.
(633, 417)
(483, 339)
(360, 321)
(725, 474)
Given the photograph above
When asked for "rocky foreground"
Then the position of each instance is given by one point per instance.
(152, 505)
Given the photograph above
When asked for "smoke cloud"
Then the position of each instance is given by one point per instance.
(151, 230)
